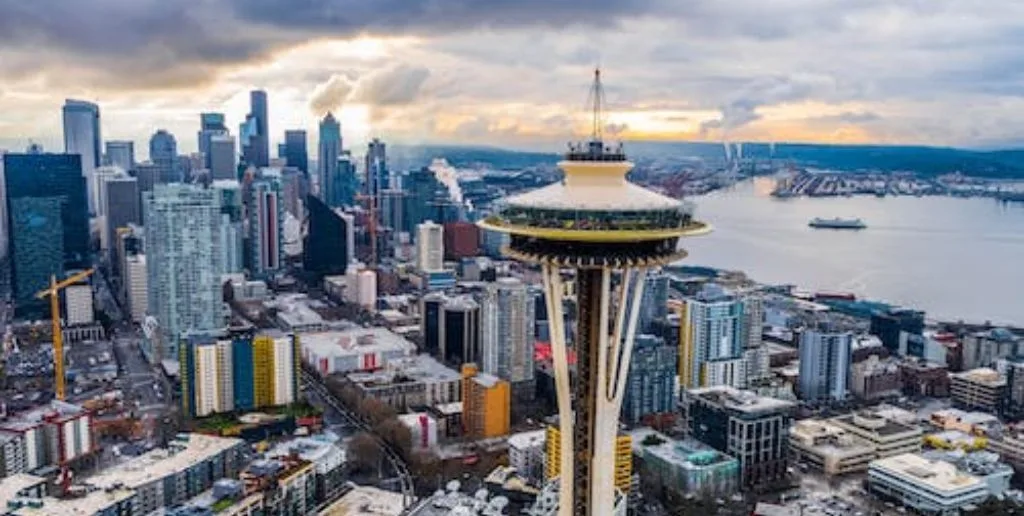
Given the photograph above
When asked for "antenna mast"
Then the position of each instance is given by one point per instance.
(597, 97)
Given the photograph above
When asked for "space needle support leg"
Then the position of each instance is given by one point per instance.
(553, 292)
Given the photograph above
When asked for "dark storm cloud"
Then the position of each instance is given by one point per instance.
(175, 43)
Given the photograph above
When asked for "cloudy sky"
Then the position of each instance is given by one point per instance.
(515, 72)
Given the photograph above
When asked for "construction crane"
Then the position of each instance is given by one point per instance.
(58, 335)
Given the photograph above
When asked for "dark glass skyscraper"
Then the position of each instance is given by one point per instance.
(329, 150)
(47, 219)
(325, 249)
(253, 132)
(163, 152)
(295, 151)
(377, 175)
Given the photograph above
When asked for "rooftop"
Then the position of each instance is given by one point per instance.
(983, 375)
(937, 475)
(734, 399)
(687, 453)
(86, 504)
(414, 369)
(366, 501)
(828, 439)
(33, 418)
(357, 341)
(875, 423)
(182, 453)
(530, 439)
(11, 486)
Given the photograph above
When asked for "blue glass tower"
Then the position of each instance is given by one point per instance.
(47, 219)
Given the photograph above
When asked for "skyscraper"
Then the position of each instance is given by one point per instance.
(122, 207)
(82, 137)
(222, 159)
(654, 304)
(266, 227)
(650, 387)
(183, 261)
(327, 158)
(121, 154)
(295, 151)
(47, 220)
(210, 125)
(610, 232)
(232, 237)
(711, 346)
(325, 248)
(430, 247)
(253, 132)
(163, 152)
(506, 322)
(825, 360)
(377, 175)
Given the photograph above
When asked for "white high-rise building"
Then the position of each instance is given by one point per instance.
(713, 338)
(213, 378)
(183, 260)
(78, 305)
(430, 247)
(135, 286)
(82, 137)
(507, 322)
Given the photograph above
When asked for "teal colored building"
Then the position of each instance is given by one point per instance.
(686, 466)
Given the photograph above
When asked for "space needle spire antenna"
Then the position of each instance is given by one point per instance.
(597, 107)
(603, 233)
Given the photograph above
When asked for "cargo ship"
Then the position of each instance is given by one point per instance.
(837, 223)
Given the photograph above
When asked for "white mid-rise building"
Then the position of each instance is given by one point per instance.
(926, 486)
(366, 289)
(78, 305)
(526, 454)
(430, 247)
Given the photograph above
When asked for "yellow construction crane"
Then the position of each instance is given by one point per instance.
(58, 335)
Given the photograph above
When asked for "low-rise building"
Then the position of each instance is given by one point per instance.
(751, 428)
(288, 485)
(57, 433)
(687, 466)
(829, 448)
(1009, 446)
(170, 476)
(924, 379)
(422, 430)
(357, 349)
(986, 466)
(418, 380)
(321, 450)
(526, 455)
(366, 501)
(978, 389)
(887, 436)
(926, 486)
(873, 378)
(975, 423)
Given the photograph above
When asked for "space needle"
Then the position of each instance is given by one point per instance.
(595, 228)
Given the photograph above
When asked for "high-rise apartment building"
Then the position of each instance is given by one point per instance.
(47, 221)
(163, 152)
(121, 154)
(753, 429)
(430, 247)
(654, 302)
(252, 133)
(242, 373)
(325, 248)
(134, 281)
(223, 159)
(232, 227)
(650, 386)
(825, 360)
(486, 402)
(329, 150)
(184, 261)
(506, 322)
(295, 150)
(82, 137)
(210, 125)
(266, 227)
(711, 342)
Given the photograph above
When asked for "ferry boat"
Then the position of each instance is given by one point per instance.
(837, 223)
